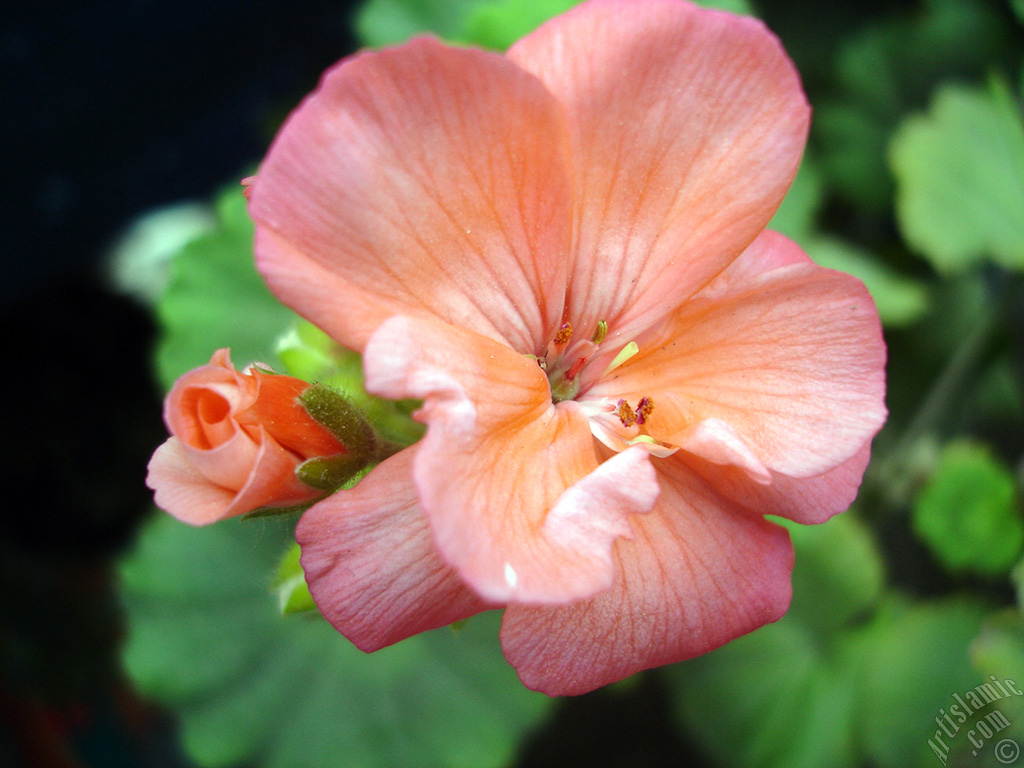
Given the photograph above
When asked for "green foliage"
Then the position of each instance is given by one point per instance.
(998, 650)
(499, 23)
(969, 511)
(207, 639)
(494, 24)
(901, 300)
(960, 168)
(293, 595)
(389, 22)
(217, 299)
(782, 696)
(888, 68)
(849, 674)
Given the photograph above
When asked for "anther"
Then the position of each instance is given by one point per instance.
(643, 409)
(625, 413)
(600, 332)
(564, 334)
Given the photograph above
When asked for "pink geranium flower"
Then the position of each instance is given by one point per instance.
(561, 252)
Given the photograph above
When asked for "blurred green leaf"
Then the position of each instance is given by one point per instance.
(830, 593)
(1018, 581)
(293, 594)
(781, 697)
(494, 24)
(206, 638)
(911, 659)
(998, 650)
(217, 299)
(795, 218)
(389, 22)
(771, 699)
(139, 263)
(969, 511)
(960, 169)
(888, 68)
(901, 300)
(499, 23)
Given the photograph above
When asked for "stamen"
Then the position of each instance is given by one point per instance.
(643, 409)
(625, 413)
(624, 354)
(563, 335)
(600, 332)
(575, 368)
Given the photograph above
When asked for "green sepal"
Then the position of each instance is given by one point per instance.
(342, 418)
(278, 511)
(328, 473)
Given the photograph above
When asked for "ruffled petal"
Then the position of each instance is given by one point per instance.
(686, 128)
(807, 500)
(422, 180)
(179, 487)
(700, 572)
(791, 359)
(371, 563)
(518, 498)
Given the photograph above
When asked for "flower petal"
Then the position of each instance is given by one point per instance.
(686, 128)
(201, 487)
(699, 573)
(791, 359)
(371, 563)
(807, 500)
(419, 180)
(518, 499)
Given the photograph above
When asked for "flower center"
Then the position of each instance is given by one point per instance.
(614, 422)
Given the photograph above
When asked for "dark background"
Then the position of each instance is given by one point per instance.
(108, 109)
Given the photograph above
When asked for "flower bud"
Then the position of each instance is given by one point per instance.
(237, 441)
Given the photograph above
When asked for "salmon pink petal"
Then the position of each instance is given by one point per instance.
(423, 180)
(686, 128)
(180, 488)
(518, 497)
(201, 487)
(792, 360)
(699, 572)
(371, 563)
(807, 500)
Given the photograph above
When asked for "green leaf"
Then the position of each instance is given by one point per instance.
(773, 699)
(782, 696)
(998, 651)
(389, 22)
(960, 170)
(796, 216)
(901, 300)
(828, 596)
(293, 594)
(206, 638)
(911, 660)
(139, 263)
(891, 67)
(969, 511)
(217, 299)
(499, 23)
